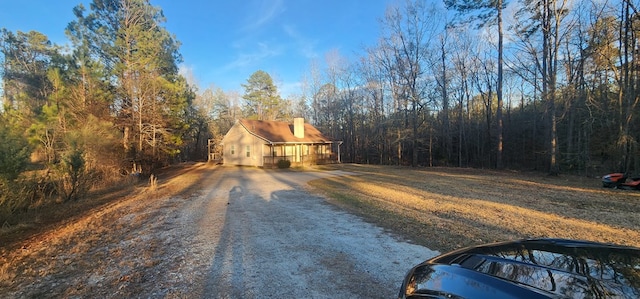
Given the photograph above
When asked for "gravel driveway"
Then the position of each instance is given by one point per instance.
(263, 235)
(248, 233)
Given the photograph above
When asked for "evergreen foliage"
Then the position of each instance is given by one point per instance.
(263, 101)
(88, 116)
(284, 164)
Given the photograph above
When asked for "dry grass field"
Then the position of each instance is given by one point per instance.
(132, 241)
(449, 208)
(65, 245)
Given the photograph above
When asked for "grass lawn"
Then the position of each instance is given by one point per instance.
(449, 208)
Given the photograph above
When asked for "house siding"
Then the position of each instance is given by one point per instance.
(235, 148)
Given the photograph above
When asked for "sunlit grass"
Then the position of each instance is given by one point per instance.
(448, 208)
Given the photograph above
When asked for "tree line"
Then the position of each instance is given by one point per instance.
(548, 85)
(110, 108)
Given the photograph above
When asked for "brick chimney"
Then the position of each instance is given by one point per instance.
(298, 127)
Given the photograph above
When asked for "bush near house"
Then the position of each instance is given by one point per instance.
(284, 164)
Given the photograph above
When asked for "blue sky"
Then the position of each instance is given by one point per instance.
(224, 42)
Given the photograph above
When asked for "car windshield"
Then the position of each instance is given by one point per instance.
(610, 275)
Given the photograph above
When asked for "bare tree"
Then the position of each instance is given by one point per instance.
(546, 18)
(628, 97)
(489, 13)
(463, 64)
(408, 32)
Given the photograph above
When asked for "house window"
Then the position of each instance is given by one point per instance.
(248, 151)
(233, 149)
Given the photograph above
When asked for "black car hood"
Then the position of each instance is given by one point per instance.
(540, 268)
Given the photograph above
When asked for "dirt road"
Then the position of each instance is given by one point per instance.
(247, 233)
(273, 239)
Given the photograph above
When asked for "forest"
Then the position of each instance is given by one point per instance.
(543, 85)
(547, 86)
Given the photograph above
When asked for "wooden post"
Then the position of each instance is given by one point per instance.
(209, 150)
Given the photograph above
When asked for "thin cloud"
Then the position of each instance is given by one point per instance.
(262, 12)
(249, 59)
(304, 45)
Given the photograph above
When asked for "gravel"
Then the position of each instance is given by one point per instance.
(271, 238)
(245, 233)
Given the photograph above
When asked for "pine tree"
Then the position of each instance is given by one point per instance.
(140, 57)
(263, 101)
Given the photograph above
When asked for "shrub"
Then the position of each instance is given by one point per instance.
(14, 157)
(15, 199)
(73, 180)
(284, 164)
(14, 154)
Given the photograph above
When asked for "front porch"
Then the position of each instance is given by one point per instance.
(301, 154)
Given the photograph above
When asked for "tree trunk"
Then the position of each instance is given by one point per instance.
(445, 106)
(499, 163)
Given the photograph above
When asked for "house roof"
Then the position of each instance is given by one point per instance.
(282, 132)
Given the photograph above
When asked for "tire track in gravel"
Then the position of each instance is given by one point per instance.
(266, 236)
